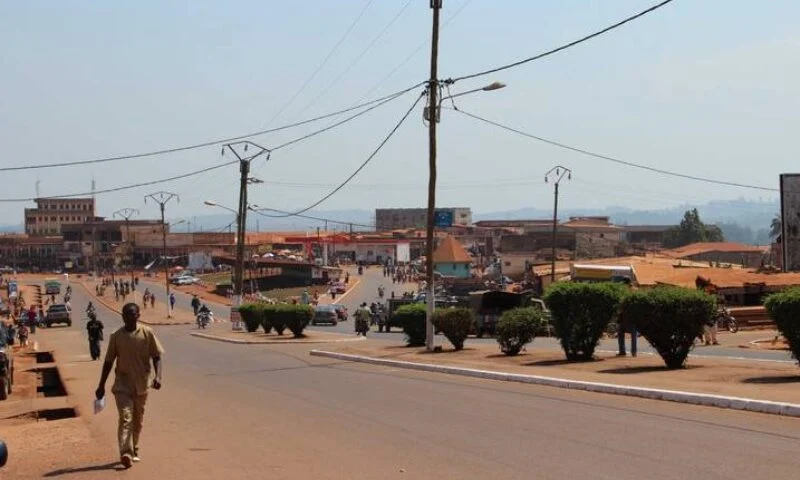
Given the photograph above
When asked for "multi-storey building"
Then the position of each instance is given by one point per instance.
(397, 218)
(51, 214)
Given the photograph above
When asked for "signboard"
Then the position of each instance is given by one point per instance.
(236, 319)
(790, 221)
(443, 218)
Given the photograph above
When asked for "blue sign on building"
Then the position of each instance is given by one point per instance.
(443, 218)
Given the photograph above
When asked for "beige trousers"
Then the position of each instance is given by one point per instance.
(131, 416)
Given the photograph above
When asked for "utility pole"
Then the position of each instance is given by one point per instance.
(127, 213)
(94, 247)
(433, 117)
(162, 198)
(241, 227)
(558, 173)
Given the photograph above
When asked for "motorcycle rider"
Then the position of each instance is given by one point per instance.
(203, 316)
(91, 310)
(381, 291)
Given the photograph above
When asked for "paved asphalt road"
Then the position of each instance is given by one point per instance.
(259, 411)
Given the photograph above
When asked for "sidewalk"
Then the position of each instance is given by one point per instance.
(772, 381)
(149, 315)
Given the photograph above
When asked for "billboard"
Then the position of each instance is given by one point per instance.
(790, 221)
(443, 218)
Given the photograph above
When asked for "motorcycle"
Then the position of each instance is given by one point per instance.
(726, 320)
(381, 292)
(361, 270)
(203, 319)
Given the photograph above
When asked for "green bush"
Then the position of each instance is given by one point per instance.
(272, 319)
(580, 313)
(784, 310)
(455, 324)
(251, 314)
(670, 318)
(412, 319)
(517, 327)
(295, 317)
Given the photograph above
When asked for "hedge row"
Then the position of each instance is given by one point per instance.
(276, 317)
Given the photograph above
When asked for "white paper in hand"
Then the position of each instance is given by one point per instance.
(99, 405)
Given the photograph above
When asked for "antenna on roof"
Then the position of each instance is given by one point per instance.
(93, 187)
(38, 195)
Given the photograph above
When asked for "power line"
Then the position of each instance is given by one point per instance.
(617, 160)
(361, 167)
(208, 143)
(323, 63)
(341, 122)
(562, 47)
(125, 187)
(356, 59)
(260, 211)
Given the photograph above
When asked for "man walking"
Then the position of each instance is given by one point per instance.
(132, 346)
(195, 304)
(94, 328)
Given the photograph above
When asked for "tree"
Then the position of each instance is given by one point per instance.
(692, 230)
(776, 226)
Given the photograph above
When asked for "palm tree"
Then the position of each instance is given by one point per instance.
(776, 226)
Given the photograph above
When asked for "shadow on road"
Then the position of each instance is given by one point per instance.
(773, 380)
(115, 466)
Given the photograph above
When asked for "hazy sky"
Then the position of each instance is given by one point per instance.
(702, 87)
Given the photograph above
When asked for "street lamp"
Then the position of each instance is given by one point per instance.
(433, 86)
(558, 173)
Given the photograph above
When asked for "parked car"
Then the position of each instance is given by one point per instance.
(58, 313)
(338, 287)
(341, 311)
(185, 280)
(325, 314)
(6, 362)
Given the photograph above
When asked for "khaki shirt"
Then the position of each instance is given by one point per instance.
(133, 352)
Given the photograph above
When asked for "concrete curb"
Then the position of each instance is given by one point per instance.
(736, 403)
(209, 336)
(119, 310)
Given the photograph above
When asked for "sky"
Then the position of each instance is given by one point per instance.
(703, 88)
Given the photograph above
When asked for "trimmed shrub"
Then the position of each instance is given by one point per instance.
(784, 309)
(412, 319)
(670, 318)
(272, 319)
(517, 327)
(455, 324)
(580, 313)
(296, 317)
(251, 314)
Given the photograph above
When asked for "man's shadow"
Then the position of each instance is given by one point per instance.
(115, 466)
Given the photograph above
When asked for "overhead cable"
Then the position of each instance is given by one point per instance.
(208, 143)
(361, 167)
(287, 214)
(617, 160)
(562, 47)
(323, 63)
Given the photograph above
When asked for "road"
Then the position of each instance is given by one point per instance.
(258, 411)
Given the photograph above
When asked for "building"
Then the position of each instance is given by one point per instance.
(30, 253)
(451, 259)
(645, 235)
(101, 243)
(721, 252)
(397, 218)
(51, 214)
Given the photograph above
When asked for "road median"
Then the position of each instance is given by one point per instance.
(274, 339)
(755, 387)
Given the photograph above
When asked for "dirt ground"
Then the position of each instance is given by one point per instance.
(749, 379)
(149, 314)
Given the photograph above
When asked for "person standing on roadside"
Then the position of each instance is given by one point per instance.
(195, 304)
(172, 301)
(132, 347)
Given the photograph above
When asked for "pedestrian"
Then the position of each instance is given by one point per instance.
(305, 296)
(195, 304)
(622, 328)
(152, 301)
(94, 328)
(32, 317)
(172, 301)
(132, 347)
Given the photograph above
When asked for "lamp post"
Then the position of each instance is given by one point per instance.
(558, 173)
(162, 198)
(127, 213)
